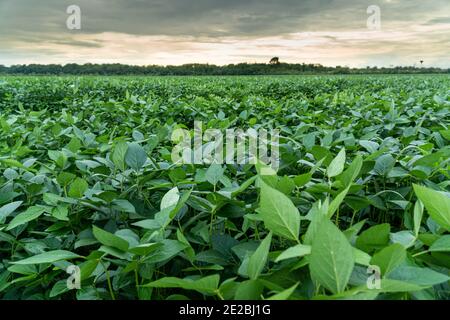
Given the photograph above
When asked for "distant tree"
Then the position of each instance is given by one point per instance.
(274, 60)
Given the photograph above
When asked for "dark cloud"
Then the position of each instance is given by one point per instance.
(190, 17)
(440, 20)
(86, 44)
(215, 18)
(36, 22)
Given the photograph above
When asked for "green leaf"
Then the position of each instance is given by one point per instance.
(384, 164)
(115, 252)
(389, 258)
(64, 178)
(208, 284)
(214, 173)
(87, 268)
(59, 288)
(352, 172)
(48, 257)
(170, 198)
(58, 157)
(445, 134)
(9, 208)
(30, 214)
(389, 285)
(279, 213)
(135, 156)
(109, 239)
(249, 290)
(297, 251)
(303, 179)
(118, 156)
(361, 257)
(61, 213)
(334, 205)
(285, 294)
(418, 214)
(168, 249)
(123, 205)
(336, 166)
(441, 245)
(331, 261)
(258, 259)
(374, 238)
(189, 250)
(436, 203)
(144, 249)
(419, 276)
(370, 146)
(78, 188)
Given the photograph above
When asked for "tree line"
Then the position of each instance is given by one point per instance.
(205, 69)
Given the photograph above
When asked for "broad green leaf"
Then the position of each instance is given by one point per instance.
(303, 179)
(361, 257)
(144, 249)
(53, 199)
(189, 250)
(336, 166)
(115, 252)
(384, 164)
(405, 238)
(135, 156)
(59, 288)
(87, 268)
(118, 156)
(441, 245)
(78, 188)
(249, 290)
(370, 146)
(297, 251)
(334, 205)
(208, 284)
(284, 295)
(352, 172)
(418, 214)
(332, 260)
(445, 134)
(419, 276)
(64, 178)
(374, 238)
(264, 169)
(214, 173)
(9, 208)
(436, 203)
(170, 198)
(48, 257)
(58, 157)
(389, 285)
(279, 213)
(32, 213)
(258, 259)
(61, 213)
(123, 205)
(389, 258)
(168, 249)
(109, 239)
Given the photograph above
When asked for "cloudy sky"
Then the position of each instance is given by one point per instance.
(142, 32)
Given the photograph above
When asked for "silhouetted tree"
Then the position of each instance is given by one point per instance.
(274, 60)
